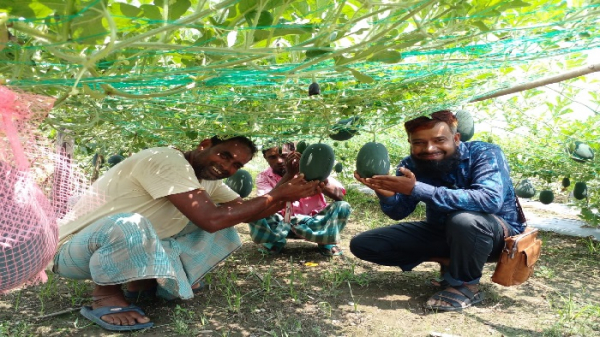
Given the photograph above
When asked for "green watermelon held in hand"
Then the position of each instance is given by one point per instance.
(317, 161)
(372, 159)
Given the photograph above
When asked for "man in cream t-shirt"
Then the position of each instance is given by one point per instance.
(159, 221)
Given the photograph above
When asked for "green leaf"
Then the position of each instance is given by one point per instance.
(32, 8)
(386, 56)
(265, 19)
(232, 12)
(301, 7)
(410, 41)
(361, 77)
(129, 10)
(179, 8)
(481, 26)
(207, 36)
(370, 51)
(341, 60)
(192, 134)
(512, 4)
(152, 12)
(263, 34)
(246, 5)
(312, 53)
(87, 27)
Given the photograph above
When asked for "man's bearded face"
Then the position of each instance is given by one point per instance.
(435, 150)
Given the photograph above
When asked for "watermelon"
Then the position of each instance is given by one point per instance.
(580, 190)
(240, 182)
(114, 160)
(546, 197)
(317, 161)
(525, 189)
(466, 125)
(566, 182)
(301, 146)
(338, 167)
(581, 152)
(314, 89)
(372, 159)
(344, 129)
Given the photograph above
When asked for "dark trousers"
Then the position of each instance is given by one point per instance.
(468, 239)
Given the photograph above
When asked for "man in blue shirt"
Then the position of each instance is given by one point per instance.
(467, 190)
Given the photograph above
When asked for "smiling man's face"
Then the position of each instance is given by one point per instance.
(435, 149)
(220, 161)
(436, 143)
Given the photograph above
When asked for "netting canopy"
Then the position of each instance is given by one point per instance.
(141, 72)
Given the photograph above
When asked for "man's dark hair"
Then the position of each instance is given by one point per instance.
(424, 122)
(290, 146)
(242, 139)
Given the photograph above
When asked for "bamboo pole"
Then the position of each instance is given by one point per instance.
(591, 68)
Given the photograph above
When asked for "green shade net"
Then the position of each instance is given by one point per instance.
(151, 72)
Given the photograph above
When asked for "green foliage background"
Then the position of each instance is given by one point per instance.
(130, 74)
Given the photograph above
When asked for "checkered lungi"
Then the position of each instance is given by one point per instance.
(124, 247)
(322, 228)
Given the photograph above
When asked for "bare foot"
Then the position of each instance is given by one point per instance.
(474, 288)
(198, 285)
(112, 295)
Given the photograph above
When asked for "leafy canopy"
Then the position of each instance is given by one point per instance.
(144, 72)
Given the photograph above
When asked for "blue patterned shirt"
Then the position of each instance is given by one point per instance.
(481, 183)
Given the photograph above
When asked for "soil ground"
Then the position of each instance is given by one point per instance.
(301, 293)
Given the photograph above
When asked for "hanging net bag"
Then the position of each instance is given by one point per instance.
(28, 229)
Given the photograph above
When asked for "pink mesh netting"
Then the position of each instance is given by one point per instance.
(35, 183)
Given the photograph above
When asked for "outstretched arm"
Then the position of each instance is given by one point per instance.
(201, 210)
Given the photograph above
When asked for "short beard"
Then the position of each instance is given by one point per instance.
(199, 172)
(436, 168)
(279, 173)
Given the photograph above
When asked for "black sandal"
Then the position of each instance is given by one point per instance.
(457, 302)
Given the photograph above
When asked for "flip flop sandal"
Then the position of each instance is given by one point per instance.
(457, 302)
(95, 314)
(330, 250)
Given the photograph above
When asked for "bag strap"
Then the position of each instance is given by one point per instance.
(520, 215)
(506, 232)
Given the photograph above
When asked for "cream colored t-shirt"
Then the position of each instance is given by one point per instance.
(140, 184)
